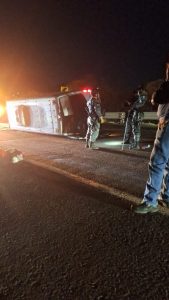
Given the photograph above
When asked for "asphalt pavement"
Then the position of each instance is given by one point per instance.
(121, 173)
(61, 240)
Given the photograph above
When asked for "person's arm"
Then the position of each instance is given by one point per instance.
(161, 95)
(167, 72)
(141, 100)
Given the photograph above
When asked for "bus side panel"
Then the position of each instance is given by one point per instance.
(34, 115)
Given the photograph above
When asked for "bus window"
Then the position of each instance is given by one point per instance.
(66, 106)
(23, 115)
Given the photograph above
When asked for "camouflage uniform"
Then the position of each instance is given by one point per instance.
(93, 121)
(134, 118)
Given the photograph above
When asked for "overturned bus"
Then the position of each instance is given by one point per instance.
(62, 114)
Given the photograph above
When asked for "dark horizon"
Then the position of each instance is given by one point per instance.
(45, 45)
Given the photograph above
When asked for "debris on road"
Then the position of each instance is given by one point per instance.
(10, 155)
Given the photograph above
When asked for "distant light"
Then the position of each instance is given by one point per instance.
(87, 91)
(2, 110)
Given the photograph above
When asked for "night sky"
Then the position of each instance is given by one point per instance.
(46, 43)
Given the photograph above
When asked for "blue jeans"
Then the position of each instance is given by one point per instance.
(158, 181)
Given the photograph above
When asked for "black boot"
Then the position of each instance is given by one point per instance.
(135, 145)
(93, 146)
(87, 144)
(126, 142)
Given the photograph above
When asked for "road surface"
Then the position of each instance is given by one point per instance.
(63, 240)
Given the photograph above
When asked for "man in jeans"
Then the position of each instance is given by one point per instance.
(157, 186)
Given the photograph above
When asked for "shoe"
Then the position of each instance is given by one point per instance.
(144, 208)
(126, 143)
(93, 146)
(87, 144)
(163, 203)
(135, 146)
(146, 147)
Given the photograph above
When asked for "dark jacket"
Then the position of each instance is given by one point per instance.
(161, 96)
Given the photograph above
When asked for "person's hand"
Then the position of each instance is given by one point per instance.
(152, 99)
(102, 120)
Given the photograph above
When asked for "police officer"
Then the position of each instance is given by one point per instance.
(132, 133)
(93, 119)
